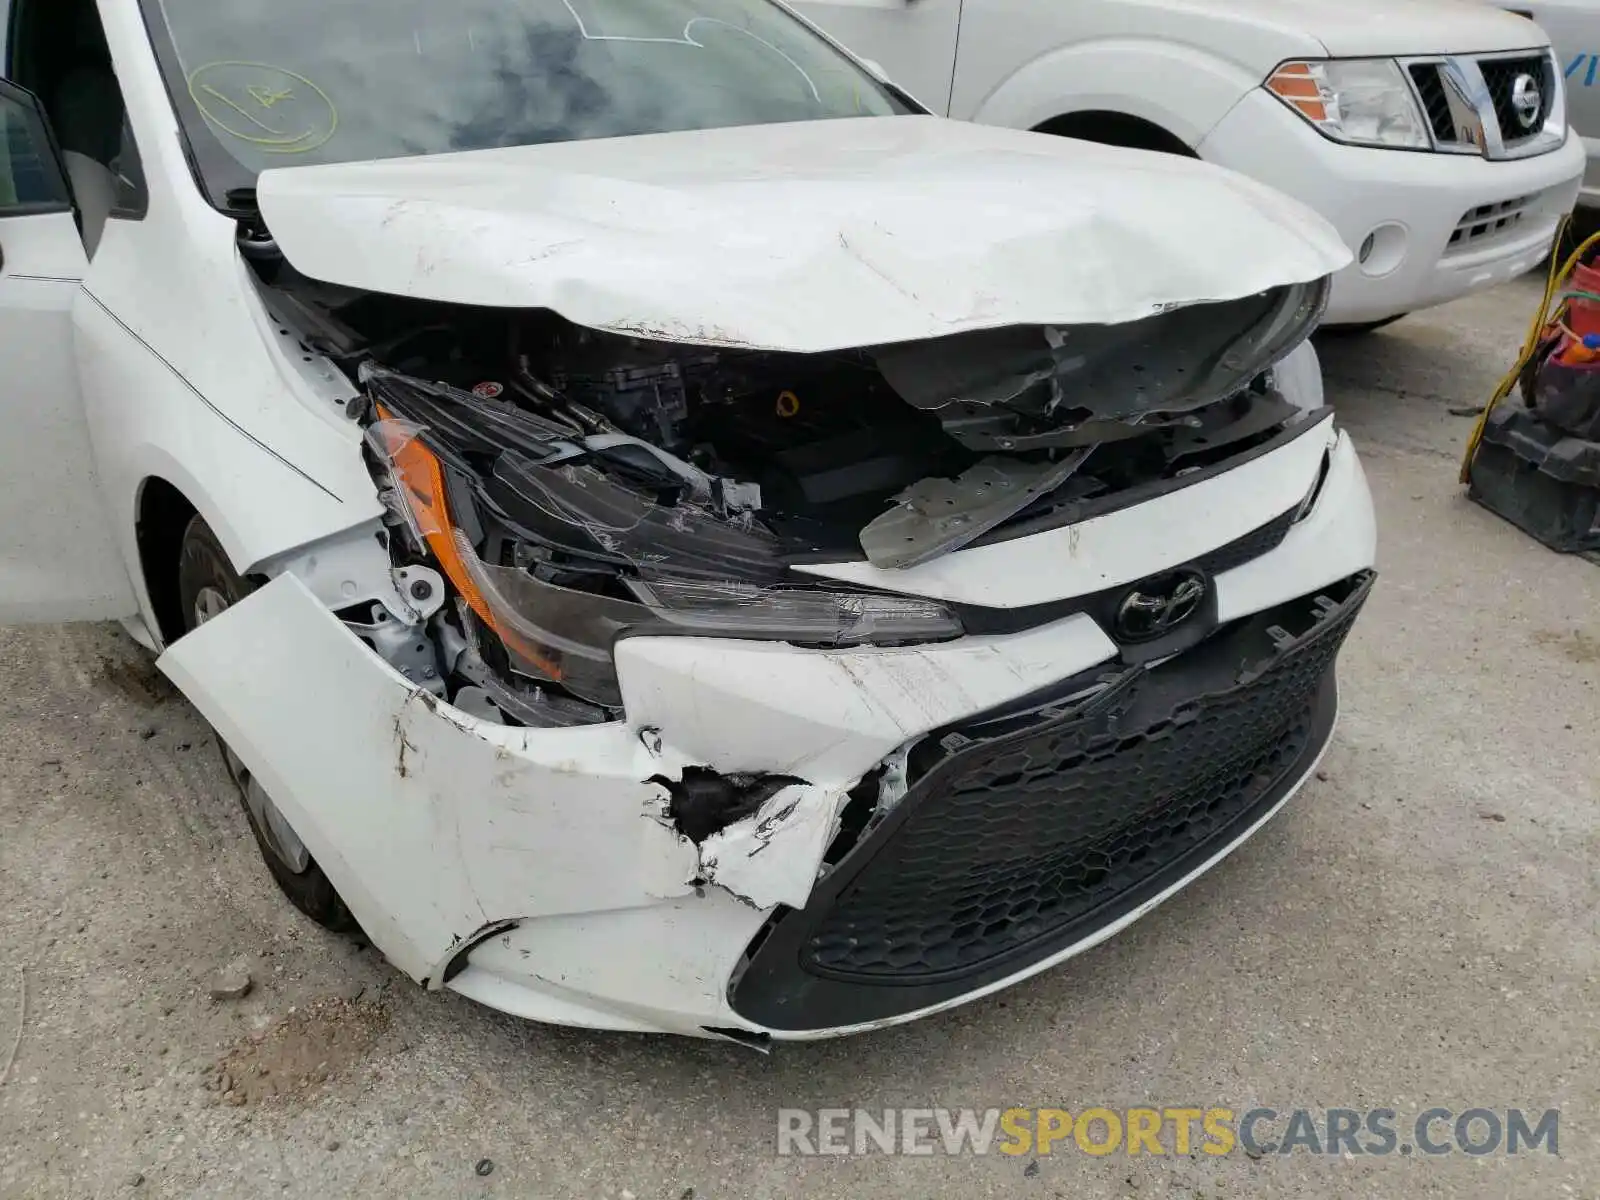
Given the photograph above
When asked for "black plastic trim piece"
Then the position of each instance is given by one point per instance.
(1102, 605)
(1127, 498)
(1101, 506)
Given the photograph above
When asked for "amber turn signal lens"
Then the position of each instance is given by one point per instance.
(1297, 85)
(421, 477)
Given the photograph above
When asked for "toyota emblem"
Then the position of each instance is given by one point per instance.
(1526, 100)
(1158, 606)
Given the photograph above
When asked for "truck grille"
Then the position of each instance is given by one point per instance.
(1500, 75)
(1024, 834)
(1470, 106)
(1435, 105)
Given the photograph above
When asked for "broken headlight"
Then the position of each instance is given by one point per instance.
(563, 634)
(566, 636)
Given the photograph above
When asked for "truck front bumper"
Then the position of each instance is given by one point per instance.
(1441, 225)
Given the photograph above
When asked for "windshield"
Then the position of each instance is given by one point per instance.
(317, 81)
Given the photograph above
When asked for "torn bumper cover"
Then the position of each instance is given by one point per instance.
(907, 827)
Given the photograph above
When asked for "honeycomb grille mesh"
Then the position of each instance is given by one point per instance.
(1015, 839)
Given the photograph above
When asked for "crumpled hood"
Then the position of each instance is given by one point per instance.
(802, 237)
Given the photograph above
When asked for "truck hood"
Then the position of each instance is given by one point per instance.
(1389, 28)
(803, 237)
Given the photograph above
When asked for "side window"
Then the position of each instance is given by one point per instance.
(30, 175)
(57, 50)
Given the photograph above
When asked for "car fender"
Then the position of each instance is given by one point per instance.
(1182, 89)
(147, 422)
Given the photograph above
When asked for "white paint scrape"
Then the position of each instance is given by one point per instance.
(774, 856)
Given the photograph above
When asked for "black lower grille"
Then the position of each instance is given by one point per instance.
(1043, 835)
(1011, 845)
(1032, 831)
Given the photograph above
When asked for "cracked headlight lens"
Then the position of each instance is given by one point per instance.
(1359, 101)
(567, 636)
(803, 615)
(564, 635)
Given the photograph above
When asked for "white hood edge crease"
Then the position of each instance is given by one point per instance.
(804, 237)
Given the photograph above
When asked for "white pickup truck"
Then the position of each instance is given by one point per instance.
(1574, 29)
(1431, 133)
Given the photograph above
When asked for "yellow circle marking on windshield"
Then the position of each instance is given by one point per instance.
(271, 108)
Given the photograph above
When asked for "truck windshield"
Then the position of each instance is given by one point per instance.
(318, 81)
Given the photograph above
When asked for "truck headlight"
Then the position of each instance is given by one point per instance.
(1359, 101)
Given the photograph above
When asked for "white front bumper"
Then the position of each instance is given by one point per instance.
(1423, 195)
(1589, 197)
(537, 871)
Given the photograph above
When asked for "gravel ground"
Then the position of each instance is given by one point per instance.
(1418, 927)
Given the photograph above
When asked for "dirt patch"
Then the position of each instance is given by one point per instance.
(137, 680)
(299, 1054)
(1577, 645)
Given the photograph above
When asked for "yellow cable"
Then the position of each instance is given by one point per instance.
(1554, 282)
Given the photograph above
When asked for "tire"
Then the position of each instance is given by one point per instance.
(208, 584)
(1357, 328)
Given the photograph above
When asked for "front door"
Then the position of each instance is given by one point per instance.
(58, 560)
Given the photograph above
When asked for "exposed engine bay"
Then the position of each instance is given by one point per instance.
(574, 485)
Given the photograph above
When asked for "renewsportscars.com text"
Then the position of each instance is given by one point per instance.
(1169, 1130)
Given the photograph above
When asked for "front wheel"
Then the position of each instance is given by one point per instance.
(208, 586)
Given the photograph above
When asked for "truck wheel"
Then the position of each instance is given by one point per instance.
(207, 586)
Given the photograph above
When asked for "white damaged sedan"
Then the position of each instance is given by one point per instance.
(671, 536)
